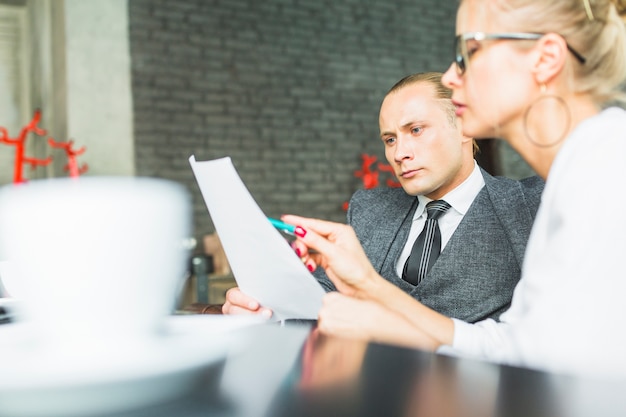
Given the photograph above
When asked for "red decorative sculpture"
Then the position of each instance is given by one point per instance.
(370, 177)
(391, 182)
(18, 142)
(20, 159)
(72, 165)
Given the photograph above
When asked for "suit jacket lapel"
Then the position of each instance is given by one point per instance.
(397, 232)
(516, 223)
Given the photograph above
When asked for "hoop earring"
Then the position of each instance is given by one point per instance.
(541, 98)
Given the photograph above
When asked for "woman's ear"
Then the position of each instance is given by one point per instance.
(551, 55)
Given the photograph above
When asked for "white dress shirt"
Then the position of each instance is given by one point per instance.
(460, 199)
(569, 307)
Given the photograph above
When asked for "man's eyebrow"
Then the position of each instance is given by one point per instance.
(412, 122)
(405, 126)
(408, 124)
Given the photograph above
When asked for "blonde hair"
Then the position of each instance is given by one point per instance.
(434, 80)
(594, 28)
(443, 93)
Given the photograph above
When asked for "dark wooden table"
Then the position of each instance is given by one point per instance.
(290, 370)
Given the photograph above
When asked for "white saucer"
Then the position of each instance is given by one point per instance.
(39, 380)
(11, 282)
(12, 306)
(9, 302)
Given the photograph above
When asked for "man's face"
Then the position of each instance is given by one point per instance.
(423, 147)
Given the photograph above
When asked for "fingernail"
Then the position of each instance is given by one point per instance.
(310, 267)
(252, 305)
(266, 313)
(300, 232)
(298, 252)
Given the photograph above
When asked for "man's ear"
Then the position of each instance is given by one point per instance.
(550, 57)
(459, 128)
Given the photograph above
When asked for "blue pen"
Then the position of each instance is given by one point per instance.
(280, 225)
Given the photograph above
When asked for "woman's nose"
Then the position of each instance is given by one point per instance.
(451, 77)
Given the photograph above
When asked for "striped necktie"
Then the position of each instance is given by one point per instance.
(427, 246)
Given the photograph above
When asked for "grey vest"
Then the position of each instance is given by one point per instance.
(476, 273)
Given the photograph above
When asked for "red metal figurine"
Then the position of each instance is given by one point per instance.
(72, 165)
(370, 176)
(18, 142)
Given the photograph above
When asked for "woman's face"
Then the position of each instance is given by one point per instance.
(495, 89)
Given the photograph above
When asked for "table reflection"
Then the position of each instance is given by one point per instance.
(336, 376)
(343, 377)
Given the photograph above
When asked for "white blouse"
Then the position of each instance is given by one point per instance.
(568, 311)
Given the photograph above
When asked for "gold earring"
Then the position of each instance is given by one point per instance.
(543, 98)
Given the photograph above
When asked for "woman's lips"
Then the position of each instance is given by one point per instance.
(460, 108)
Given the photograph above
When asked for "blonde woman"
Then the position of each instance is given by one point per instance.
(540, 74)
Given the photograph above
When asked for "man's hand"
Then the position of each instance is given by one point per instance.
(240, 303)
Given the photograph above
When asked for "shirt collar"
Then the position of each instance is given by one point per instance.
(462, 197)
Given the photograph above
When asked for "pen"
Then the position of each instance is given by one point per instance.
(280, 225)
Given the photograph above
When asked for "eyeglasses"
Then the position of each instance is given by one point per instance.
(462, 53)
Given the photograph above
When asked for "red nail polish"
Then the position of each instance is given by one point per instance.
(298, 252)
(310, 268)
(300, 232)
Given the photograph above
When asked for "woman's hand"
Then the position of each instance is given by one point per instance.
(338, 251)
(402, 319)
(368, 320)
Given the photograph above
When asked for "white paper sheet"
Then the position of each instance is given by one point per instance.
(263, 264)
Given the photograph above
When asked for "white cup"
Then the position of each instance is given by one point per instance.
(101, 257)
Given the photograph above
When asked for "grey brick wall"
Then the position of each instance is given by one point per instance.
(289, 89)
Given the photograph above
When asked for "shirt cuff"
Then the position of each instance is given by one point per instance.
(453, 349)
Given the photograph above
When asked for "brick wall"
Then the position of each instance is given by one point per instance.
(289, 89)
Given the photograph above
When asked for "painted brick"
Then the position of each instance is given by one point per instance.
(289, 89)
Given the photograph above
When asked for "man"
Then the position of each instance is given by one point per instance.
(483, 233)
